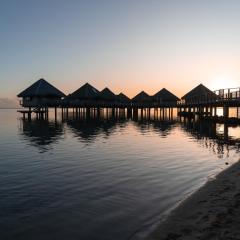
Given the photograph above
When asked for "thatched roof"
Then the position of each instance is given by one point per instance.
(165, 96)
(123, 98)
(199, 92)
(41, 88)
(85, 92)
(107, 94)
(141, 97)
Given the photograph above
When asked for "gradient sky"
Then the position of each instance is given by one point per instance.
(127, 45)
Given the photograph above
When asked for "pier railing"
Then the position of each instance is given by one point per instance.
(228, 96)
(222, 96)
(228, 93)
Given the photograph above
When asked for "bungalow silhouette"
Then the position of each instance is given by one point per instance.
(41, 94)
(199, 94)
(86, 94)
(165, 97)
(141, 98)
(106, 97)
(123, 99)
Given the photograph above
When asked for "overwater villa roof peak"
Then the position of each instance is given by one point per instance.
(142, 96)
(41, 88)
(165, 95)
(107, 94)
(122, 97)
(199, 91)
(86, 91)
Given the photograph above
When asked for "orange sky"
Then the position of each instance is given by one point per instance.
(177, 76)
(125, 45)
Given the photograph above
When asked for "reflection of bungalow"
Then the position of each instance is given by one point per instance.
(165, 97)
(42, 133)
(122, 98)
(41, 94)
(198, 94)
(164, 128)
(106, 96)
(201, 129)
(141, 98)
(88, 129)
(85, 94)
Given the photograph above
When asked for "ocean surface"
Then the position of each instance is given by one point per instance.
(102, 178)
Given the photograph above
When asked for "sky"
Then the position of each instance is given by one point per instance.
(126, 45)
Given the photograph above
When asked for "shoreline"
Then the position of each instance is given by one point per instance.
(212, 212)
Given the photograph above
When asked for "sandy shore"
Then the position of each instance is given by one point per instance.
(213, 212)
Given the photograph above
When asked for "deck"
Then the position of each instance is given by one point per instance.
(203, 105)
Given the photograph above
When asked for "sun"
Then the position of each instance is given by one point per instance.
(222, 82)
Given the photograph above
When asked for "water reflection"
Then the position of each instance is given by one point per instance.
(87, 129)
(162, 127)
(208, 134)
(41, 133)
(130, 172)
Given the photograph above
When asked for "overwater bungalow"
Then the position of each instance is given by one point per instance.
(199, 94)
(122, 98)
(41, 94)
(141, 98)
(165, 97)
(106, 96)
(86, 94)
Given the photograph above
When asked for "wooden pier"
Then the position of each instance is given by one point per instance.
(200, 101)
(40, 113)
(208, 105)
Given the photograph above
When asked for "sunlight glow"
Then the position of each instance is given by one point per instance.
(223, 82)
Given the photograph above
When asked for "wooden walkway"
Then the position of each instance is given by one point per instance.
(204, 106)
(40, 113)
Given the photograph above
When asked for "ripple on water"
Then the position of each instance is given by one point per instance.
(100, 179)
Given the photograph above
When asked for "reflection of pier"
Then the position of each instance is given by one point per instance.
(210, 130)
(41, 133)
(89, 112)
(88, 129)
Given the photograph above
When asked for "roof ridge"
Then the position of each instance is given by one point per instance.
(41, 88)
(39, 85)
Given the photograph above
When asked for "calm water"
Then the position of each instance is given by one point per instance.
(102, 178)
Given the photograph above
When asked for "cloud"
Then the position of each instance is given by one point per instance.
(8, 103)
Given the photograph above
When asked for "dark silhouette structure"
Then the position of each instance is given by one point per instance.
(165, 97)
(141, 98)
(85, 95)
(198, 94)
(122, 98)
(204, 102)
(41, 94)
(107, 96)
(199, 101)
